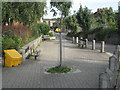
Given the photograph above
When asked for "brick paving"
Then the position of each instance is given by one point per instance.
(31, 73)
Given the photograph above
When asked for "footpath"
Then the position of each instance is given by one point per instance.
(87, 65)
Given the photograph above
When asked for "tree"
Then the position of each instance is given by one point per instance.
(26, 12)
(85, 18)
(63, 7)
(106, 17)
(111, 17)
(119, 20)
(71, 23)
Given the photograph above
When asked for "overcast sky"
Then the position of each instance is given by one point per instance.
(91, 4)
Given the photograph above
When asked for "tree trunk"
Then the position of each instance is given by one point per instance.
(60, 41)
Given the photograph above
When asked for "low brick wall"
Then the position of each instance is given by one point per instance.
(27, 49)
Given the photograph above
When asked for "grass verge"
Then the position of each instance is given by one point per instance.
(58, 69)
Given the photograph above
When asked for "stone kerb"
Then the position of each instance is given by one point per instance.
(118, 83)
(109, 79)
(27, 49)
(117, 51)
(112, 77)
(104, 81)
(113, 63)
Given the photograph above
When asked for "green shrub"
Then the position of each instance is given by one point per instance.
(50, 34)
(70, 34)
(35, 30)
(99, 36)
(11, 42)
(101, 33)
(40, 29)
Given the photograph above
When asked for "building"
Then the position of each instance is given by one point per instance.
(51, 22)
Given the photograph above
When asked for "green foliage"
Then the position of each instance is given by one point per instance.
(102, 25)
(11, 42)
(106, 17)
(78, 34)
(37, 46)
(28, 39)
(35, 30)
(40, 29)
(45, 28)
(70, 34)
(118, 22)
(54, 27)
(59, 69)
(71, 23)
(50, 34)
(85, 18)
(101, 33)
(26, 12)
(63, 7)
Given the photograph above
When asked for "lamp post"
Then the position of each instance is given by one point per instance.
(60, 49)
(59, 30)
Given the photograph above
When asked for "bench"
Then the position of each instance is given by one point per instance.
(36, 54)
(46, 37)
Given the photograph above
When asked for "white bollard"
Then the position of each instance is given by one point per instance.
(93, 45)
(73, 39)
(102, 46)
(77, 40)
(86, 43)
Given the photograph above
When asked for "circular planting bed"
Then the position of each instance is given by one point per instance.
(58, 69)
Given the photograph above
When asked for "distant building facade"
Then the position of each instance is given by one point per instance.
(51, 22)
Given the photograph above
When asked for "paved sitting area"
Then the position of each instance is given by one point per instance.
(30, 74)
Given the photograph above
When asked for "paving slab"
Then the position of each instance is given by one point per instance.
(31, 73)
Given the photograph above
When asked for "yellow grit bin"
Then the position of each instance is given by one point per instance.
(12, 58)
